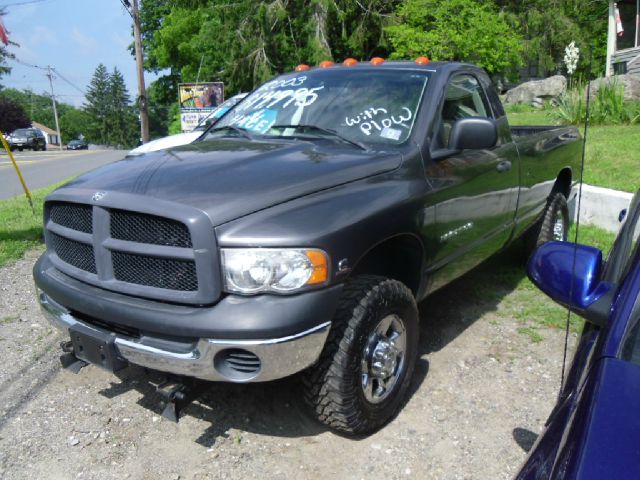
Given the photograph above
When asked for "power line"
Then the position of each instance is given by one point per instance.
(26, 64)
(62, 77)
(127, 6)
(68, 82)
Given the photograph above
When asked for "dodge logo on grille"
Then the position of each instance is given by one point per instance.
(98, 196)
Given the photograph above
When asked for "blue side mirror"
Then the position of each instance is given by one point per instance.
(579, 288)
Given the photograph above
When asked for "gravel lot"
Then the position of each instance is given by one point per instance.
(481, 393)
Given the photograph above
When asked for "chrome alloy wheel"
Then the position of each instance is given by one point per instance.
(558, 227)
(383, 358)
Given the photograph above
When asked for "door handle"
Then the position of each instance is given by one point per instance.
(503, 166)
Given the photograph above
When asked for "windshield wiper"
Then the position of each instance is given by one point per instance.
(241, 131)
(326, 131)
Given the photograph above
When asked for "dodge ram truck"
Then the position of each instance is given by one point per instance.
(298, 234)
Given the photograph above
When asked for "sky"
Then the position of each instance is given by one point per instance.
(73, 36)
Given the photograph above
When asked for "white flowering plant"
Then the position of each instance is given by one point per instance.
(571, 57)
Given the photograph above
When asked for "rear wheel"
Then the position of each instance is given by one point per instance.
(359, 383)
(555, 223)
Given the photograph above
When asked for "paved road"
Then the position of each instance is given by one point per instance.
(41, 169)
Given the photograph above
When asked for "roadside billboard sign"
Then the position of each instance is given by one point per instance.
(198, 100)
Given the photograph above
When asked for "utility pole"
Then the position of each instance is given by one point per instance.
(55, 110)
(142, 94)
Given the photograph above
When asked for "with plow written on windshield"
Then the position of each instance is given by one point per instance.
(371, 110)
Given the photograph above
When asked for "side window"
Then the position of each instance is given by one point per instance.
(625, 246)
(633, 247)
(464, 98)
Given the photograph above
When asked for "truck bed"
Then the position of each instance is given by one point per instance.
(526, 130)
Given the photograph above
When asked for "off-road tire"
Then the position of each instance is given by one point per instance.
(542, 231)
(333, 387)
(557, 210)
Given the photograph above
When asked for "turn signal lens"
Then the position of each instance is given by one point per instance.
(377, 61)
(302, 67)
(326, 64)
(422, 61)
(350, 62)
(320, 271)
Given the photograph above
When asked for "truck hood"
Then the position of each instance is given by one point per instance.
(229, 178)
(166, 142)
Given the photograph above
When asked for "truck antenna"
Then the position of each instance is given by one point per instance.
(578, 207)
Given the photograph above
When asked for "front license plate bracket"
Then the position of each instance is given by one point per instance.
(96, 347)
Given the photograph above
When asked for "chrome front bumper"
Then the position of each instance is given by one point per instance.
(279, 357)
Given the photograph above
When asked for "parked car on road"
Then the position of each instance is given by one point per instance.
(299, 233)
(30, 138)
(77, 145)
(188, 137)
(594, 429)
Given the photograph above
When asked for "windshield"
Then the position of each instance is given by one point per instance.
(359, 106)
(21, 131)
(219, 112)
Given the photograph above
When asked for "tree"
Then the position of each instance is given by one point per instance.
(97, 106)
(161, 95)
(38, 108)
(73, 123)
(111, 119)
(12, 116)
(122, 125)
(463, 30)
(548, 26)
(245, 42)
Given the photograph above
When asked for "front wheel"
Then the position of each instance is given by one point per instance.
(363, 373)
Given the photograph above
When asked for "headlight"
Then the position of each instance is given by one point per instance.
(257, 270)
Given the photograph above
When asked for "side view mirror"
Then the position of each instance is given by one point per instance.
(474, 133)
(622, 215)
(570, 274)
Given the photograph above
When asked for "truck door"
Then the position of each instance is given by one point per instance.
(475, 192)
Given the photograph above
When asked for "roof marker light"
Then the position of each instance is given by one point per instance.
(326, 64)
(422, 60)
(302, 67)
(377, 61)
(350, 62)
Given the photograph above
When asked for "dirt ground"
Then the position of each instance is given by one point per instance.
(480, 394)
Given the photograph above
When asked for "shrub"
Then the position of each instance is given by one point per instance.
(608, 107)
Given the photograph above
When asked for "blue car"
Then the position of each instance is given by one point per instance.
(594, 429)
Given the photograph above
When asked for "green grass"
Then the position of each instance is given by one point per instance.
(501, 288)
(612, 151)
(20, 229)
(534, 309)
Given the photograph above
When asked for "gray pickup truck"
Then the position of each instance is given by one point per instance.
(298, 234)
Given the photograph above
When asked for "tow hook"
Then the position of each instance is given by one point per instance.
(178, 393)
(68, 360)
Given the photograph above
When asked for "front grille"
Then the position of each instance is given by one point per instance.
(72, 215)
(143, 228)
(172, 259)
(155, 272)
(78, 254)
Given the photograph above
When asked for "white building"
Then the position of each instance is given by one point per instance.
(51, 136)
(623, 39)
